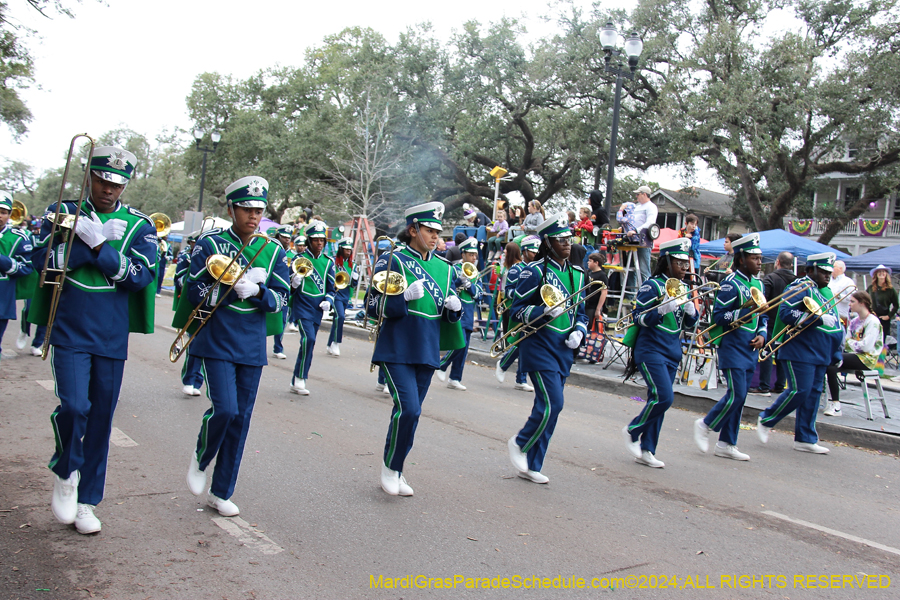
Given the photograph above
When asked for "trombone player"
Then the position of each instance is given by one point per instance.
(345, 281)
(15, 261)
(283, 235)
(740, 326)
(806, 360)
(112, 264)
(468, 289)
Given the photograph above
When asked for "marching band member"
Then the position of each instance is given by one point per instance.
(232, 345)
(548, 354)
(657, 349)
(806, 358)
(312, 296)
(165, 255)
(15, 262)
(299, 248)
(283, 236)
(469, 293)
(342, 262)
(738, 348)
(112, 264)
(408, 347)
(529, 247)
(191, 374)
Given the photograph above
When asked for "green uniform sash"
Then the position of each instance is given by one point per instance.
(436, 275)
(743, 298)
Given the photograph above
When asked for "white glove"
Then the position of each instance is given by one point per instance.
(839, 364)
(453, 303)
(554, 312)
(245, 289)
(467, 284)
(667, 307)
(415, 291)
(596, 231)
(829, 320)
(90, 230)
(324, 305)
(354, 276)
(256, 275)
(690, 309)
(574, 339)
(297, 281)
(114, 229)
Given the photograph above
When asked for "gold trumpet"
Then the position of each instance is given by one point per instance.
(228, 272)
(341, 280)
(552, 297)
(676, 291)
(60, 220)
(18, 213)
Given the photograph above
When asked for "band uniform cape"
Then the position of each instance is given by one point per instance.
(317, 286)
(398, 331)
(141, 305)
(14, 242)
(227, 243)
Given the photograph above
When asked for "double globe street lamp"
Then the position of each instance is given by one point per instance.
(215, 136)
(632, 48)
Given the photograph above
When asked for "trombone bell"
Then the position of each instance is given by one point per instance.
(396, 283)
(469, 270)
(216, 264)
(341, 280)
(163, 224)
(18, 213)
(302, 266)
(551, 295)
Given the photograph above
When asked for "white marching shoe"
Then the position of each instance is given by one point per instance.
(499, 373)
(85, 521)
(190, 390)
(525, 387)
(36, 351)
(299, 387)
(441, 375)
(334, 349)
(731, 452)
(280, 355)
(21, 340)
(196, 479)
(455, 385)
(292, 328)
(811, 448)
(405, 489)
(647, 458)
(534, 476)
(390, 481)
(633, 446)
(762, 431)
(518, 458)
(65, 498)
(701, 435)
(226, 508)
(387, 389)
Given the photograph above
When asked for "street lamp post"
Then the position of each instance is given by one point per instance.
(609, 39)
(215, 136)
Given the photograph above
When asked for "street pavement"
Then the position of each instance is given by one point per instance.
(314, 522)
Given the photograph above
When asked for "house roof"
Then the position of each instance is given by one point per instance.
(696, 200)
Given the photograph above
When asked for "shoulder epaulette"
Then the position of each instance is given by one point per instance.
(21, 233)
(209, 232)
(440, 257)
(138, 213)
(578, 268)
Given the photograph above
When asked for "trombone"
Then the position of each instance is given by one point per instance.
(227, 272)
(791, 332)
(301, 266)
(552, 298)
(471, 271)
(341, 280)
(676, 291)
(59, 220)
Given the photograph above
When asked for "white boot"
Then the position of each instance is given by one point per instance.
(85, 521)
(299, 387)
(21, 340)
(336, 349)
(499, 373)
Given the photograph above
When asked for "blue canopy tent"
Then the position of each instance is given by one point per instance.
(776, 241)
(889, 257)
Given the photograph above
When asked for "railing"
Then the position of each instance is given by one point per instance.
(818, 226)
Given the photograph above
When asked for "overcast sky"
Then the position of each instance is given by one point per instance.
(132, 63)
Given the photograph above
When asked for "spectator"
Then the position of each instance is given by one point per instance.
(644, 216)
(715, 271)
(839, 283)
(441, 248)
(884, 296)
(516, 217)
(495, 244)
(535, 217)
(572, 218)
(585, 226)
(774, 285)
(690, 230)
(862, 348)
(625, 219)
(593, 308)
(475, 218)
(454, 255)
(598, 210)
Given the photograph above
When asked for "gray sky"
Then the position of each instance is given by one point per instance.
(132, 63)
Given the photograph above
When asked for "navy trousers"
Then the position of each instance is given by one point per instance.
(508, 359)
(337, 326)
(3, 324)
(648, 423)
(160, 275)
(278, 345)
(39, 331)
(308, 331)
(804, 383)
(456, 359)
(231, 388)
(725, 416)
(408, 385)
(534, 438)
(191, 370)
(88, 390)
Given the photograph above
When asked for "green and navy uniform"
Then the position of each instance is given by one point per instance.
(805, 360)
(736, 357)
(89, 337)
(163, 262)
(15, 262)
(512, 355)
(409, 344)
(341, 300)
(232, 349)
(544, 355)
(278, 339)
(305, 300)
(191, 373)
(470, 297)
(657, 352)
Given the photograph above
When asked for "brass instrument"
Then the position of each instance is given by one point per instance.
(163, 224)
(18, 213)
(553, 298)
(301, 266)
(228, 272)
(499, 308)
(388, 283)
(789, 333)
(60, 220)
(341, 280)
(676, 292)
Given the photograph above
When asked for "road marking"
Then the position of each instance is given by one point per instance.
(833, 532)
(247, 534)
(118, 437)
(47, 384)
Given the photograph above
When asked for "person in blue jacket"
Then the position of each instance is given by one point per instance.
(343, 262)
(191, 374)
(548, 354)
(657, 349)
(112, 262)
(408, 346)
(530, 246)
(283, 236)
(312, 297)
(469, 293)
(738, 348)
(807, 357)
(15, 262)
(232, 344)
